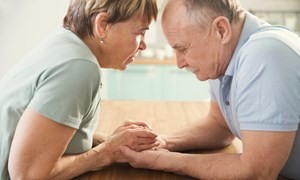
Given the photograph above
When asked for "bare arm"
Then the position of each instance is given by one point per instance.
(264, 153)
(207, 133)
(38, 147)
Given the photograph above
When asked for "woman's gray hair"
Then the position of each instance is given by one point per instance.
(82, 13)
(204, 12)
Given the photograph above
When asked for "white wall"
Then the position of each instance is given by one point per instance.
(23, 24)
(288, 5)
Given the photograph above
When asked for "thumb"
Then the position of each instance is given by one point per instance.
(129, 153)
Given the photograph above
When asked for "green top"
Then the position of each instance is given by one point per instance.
(59, 79)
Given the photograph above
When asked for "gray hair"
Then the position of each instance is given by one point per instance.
(204, 12)
(82, 13)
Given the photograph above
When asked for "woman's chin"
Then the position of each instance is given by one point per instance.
(129, 60)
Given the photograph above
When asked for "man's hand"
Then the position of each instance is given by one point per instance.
(145, 159)
(161, 142)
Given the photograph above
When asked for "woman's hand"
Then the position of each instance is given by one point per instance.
(135, 135)
(100, 137)
(129, 124)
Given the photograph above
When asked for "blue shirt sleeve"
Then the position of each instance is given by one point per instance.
(268, 86)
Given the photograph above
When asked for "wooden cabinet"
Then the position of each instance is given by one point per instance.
(155, 82)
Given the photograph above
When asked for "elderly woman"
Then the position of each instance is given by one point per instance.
(49, 101)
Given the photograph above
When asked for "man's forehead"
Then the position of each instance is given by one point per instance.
(174, 8)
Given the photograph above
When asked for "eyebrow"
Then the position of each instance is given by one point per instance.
(145, 28)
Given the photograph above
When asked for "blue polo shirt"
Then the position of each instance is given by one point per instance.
(261, 86)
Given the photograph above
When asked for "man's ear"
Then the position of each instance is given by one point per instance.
(101, 25)
(222, 27)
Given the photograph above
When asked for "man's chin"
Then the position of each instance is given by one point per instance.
(202, 78)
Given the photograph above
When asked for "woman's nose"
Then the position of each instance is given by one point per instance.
(143, 45)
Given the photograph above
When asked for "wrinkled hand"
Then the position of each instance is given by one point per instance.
(148, 159)
(129, 124)
(100, 137)
(161, 142)
(135, 135)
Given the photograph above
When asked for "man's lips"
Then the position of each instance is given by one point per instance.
(193, 70)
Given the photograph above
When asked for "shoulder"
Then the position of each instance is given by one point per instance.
(75, 72)
(274, 48)
(272, 41)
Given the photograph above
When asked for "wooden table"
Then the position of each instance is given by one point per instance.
(163, 117)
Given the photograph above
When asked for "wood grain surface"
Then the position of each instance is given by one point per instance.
(163, 117)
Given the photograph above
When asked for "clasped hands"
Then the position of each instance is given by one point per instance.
(128, 139)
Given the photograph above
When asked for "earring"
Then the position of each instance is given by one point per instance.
(102, 40)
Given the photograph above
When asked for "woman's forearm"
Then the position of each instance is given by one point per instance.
(70, 166)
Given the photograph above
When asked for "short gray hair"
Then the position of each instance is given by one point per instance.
(82, 13)
(204, 12)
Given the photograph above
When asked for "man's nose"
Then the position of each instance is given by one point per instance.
(181, 62)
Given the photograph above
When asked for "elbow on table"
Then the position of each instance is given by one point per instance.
(225, 141)
(266, 174)
(19, 173)
(262, 175)
(258, 172)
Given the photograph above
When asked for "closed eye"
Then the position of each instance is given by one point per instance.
(180, 49)
(141, 34)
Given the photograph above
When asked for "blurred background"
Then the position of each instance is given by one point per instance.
(153, 76)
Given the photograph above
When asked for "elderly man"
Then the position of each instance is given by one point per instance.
(254, 73)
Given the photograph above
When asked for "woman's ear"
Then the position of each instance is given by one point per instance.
(222, 27)
(101, 25)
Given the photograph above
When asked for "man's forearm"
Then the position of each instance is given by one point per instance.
(198, 136)
(207, 166)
